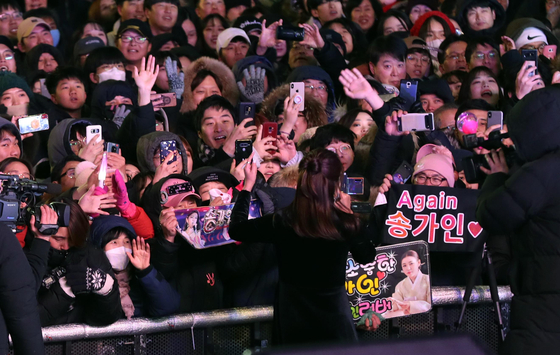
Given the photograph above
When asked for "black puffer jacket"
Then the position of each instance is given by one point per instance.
(526, 205)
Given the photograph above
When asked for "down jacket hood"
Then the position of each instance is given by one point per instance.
(229, 86)
(461, 15)
(533, 123)
(148, 144)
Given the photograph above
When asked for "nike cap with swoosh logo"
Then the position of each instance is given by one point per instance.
(530, 35)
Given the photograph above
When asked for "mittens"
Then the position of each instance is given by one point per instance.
(84, 279)
(176, 80)
(125, 207)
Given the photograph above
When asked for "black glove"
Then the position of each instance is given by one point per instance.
(84, 279)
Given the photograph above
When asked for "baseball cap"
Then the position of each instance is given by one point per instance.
(248, 23)
(86, 45)
(227, 35)
(28, 25)
(530, 35)
(174, 200)
(439, 163)
(206, 174)
(137, 25)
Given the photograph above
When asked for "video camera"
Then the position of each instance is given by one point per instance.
(14, 191)
(472, 164)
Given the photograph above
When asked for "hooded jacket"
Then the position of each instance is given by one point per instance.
(314, 72)
(229, 85)
(150, 293)
(526, 205)
(148, 144)
(516, 27)
(33, 56)
(499, 22)
(107, 91)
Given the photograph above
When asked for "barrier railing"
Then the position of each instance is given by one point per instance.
(441, 296)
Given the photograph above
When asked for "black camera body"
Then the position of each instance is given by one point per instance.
(472, 164)
(290, 33)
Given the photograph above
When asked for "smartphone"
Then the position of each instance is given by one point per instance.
(416, 122)
(168, 99)
(270, 129)
(495, 118)
(113, 147)
(297, 91)
(179, 189)
(243, 149)
(531, 56)
(290, 33)
(550, 51)
(403, 173)
(246, 110)
(355, 185)
(33, 123)
(409, 92)
(91, 131)
(166, 148)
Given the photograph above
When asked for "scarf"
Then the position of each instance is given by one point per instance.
(124, 288)
(205, 153)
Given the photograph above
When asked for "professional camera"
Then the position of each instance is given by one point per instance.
(472, 164)
(290, 33)
(62, 211)
(15, 191)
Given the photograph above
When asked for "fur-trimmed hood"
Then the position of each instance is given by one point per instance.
(229, 86)
(314, 110)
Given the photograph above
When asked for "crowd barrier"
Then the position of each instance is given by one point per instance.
(233, 331)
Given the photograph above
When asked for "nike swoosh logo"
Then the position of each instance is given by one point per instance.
(531, 38)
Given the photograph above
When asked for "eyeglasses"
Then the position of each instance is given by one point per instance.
(128, 39)
(298, 47)
(320, 87)
(7, 55)
(76, 142)
(456, 56)
(539, 48)
(16, 16)
(107, 67)
(71, 173)
(413, 58)
(434, 180)
(450, 127)
(343, 149)
(491, 55)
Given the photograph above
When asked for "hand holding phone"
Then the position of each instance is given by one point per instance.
(297, 91)
(416, 122)
(35, 123)
(166, 148)
(92, 131)
(531, 56)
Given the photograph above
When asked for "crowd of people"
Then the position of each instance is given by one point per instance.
(181, 72)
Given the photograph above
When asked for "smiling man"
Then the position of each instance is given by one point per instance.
(31, 32)
(10, 18)
(161, 15)
(133, 40)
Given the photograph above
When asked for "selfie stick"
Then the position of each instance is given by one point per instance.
(493, 292)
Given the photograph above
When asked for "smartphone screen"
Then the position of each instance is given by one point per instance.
(166, 148)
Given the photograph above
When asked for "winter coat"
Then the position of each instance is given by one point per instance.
(314, 72)
(18, 303)
(147, 146)
(499, 22)
(229, 86)
(526, 205)
(150, 293)
(320, 300)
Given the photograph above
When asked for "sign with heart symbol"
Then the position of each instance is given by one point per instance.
(475, 229)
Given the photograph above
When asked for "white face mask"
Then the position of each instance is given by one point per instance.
(113, 74)
(118, 258)
(435, 43)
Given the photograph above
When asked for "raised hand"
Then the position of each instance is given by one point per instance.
(169, 224)
(391, 124)
(286, 149)
(268, 34)
(524, 83)
(166, 168)
(92, 150)
(355, 85)
(176, 80)
(254, 84)
(95, 204)
(145, 79)
(312, 37)
(263, 145)
(239, 132)
(120, 114)
(250, 176)
(507, 45)
(140, 257)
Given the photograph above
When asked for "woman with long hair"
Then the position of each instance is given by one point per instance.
(312, 236)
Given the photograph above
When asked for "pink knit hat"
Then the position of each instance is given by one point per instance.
(439, 163)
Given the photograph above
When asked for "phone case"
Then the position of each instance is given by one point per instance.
(403, 173)
(246, 110)
(550, 51)
(531, 55)
(495, 118)
(91, 131)
(416, 122)
(270, 129)
(33, 123)
(298, 90)
(409, 90)
(166, 148)
(243, 150)
(113, 147)
(169, 99)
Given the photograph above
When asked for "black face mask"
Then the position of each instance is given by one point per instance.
(56, 257)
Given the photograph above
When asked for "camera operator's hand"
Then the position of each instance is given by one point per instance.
(357, 87)
(524, 83)
(386, 185)
(392, 126)
(88, 279)
(140, 257)
(250, 176)
(92, 149)
(497, 162)
(48, 216)
(342, 202)
(169, 224)
(312, 36)
(94, 204)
